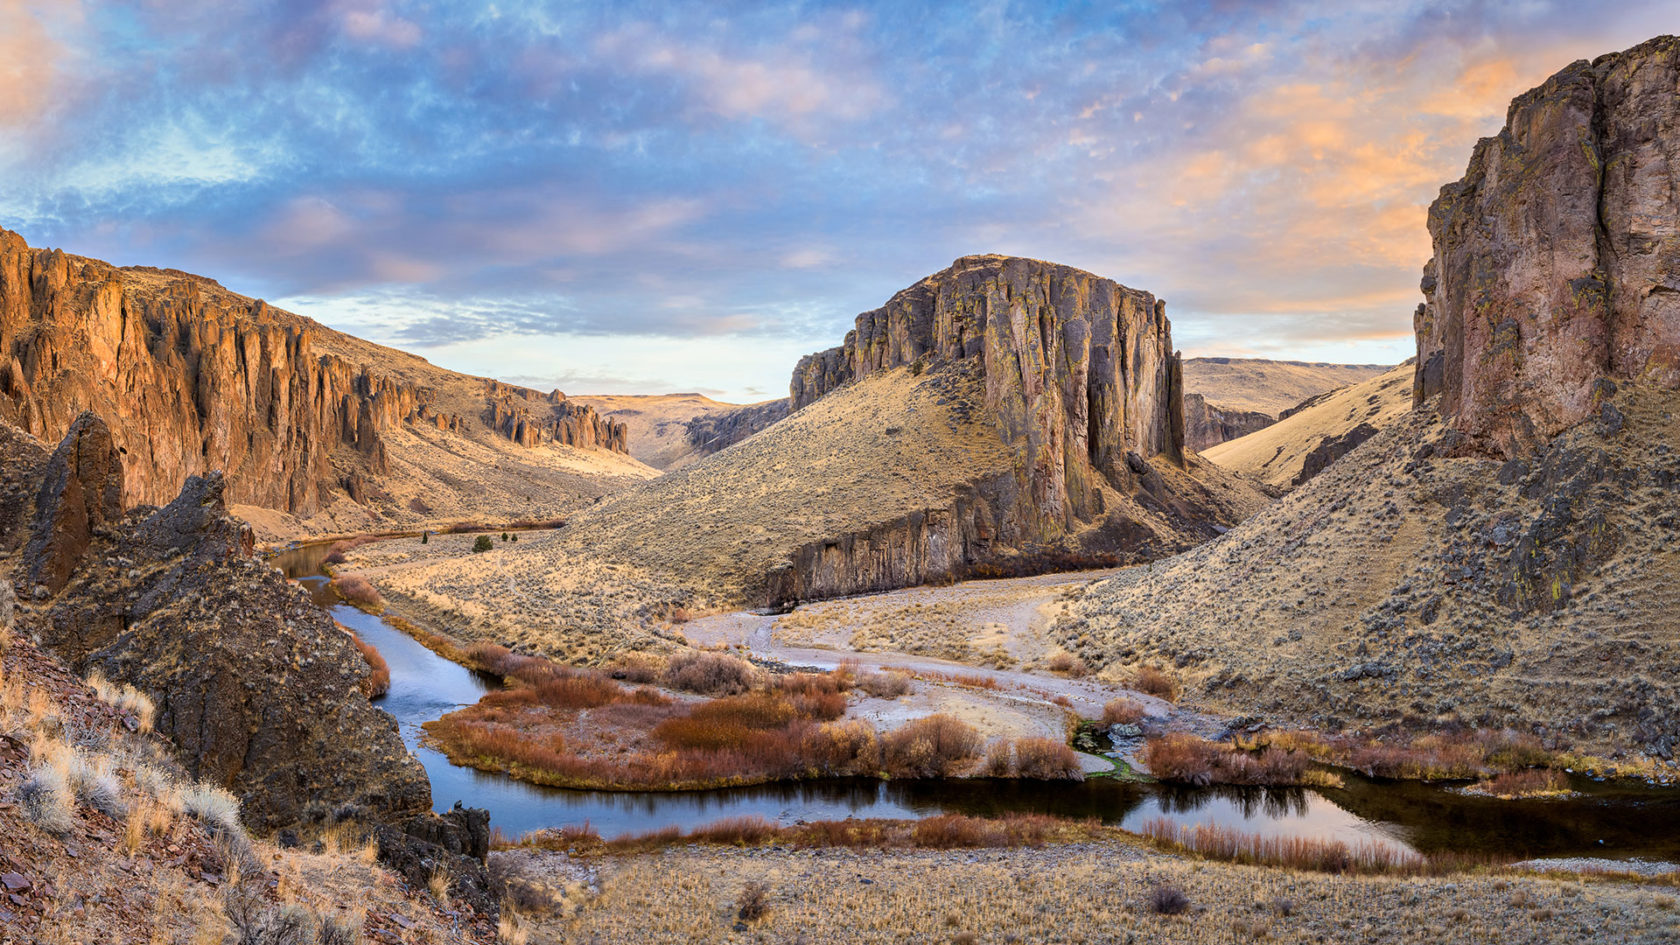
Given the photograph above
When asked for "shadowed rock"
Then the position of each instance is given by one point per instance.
(82, 491)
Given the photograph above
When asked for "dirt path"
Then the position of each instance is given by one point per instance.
(1011, 616)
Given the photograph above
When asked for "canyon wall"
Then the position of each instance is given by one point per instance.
(192, 378)
(1556, 268)
(1208, 424)
(529, 418)
(1078, 371)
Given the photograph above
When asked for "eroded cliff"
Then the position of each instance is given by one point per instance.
(1556, 268)
(193, 378)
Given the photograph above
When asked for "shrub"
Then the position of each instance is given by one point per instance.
(358, 592)
(752, 905)
(95, 785)
(1532, 782)
(1000, 759)
(1046, 759)
(378, 680)
(504, 536)
(736, 830)
(425, 538)
(1166, 899)
(637, 668)
(885, 685)
(710, 674)
(214, 807)
(1188, 759)
(1068, 664)
(45, 799)
(935, 746)
(125, 697)
(1155, 682)
(1122, 711)
(482, 543)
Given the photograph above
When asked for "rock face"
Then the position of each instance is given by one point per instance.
(1208, 425)
(82, 492)
(1078, 380)
(1078, 372)
(1332, 449)
(529, 418)
(192, 378)
(256, 686)
(708, 434)
(1556, 268)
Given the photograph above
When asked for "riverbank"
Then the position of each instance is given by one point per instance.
(1113, 891)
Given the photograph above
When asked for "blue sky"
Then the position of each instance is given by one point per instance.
(666, 197)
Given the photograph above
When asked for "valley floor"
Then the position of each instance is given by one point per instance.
(1099, 892)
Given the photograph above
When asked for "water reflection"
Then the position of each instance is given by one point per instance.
(1606, 821)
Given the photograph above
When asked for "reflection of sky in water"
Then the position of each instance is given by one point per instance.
(1616, 821)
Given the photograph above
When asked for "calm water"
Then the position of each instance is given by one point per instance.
(1613, 821)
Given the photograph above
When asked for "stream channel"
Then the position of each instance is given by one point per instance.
(1617, 820)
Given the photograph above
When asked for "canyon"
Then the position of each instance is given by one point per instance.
(193, 378)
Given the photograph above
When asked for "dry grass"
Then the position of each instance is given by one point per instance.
(1123, 711)
(942, 832)
(1094, 891)
(1532, 782)
(127, 698)
(1068, 665)
(378, 680)
(1154, 681)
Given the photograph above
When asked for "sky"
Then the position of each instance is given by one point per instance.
(660, 197)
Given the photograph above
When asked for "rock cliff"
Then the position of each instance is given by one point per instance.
(257, 687)
(1505, 553)
(1207, 425)
(193, 378)
(1556, 268)
(1078, 372)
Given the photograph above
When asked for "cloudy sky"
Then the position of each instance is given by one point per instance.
(658, 197)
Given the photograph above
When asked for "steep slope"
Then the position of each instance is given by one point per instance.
(1299, 445)
(1001, 416)
(1508, 552)
(1259, 385)
(670, 431)
(194, 378)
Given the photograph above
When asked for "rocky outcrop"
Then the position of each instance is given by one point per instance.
(193, 378)
(257, 687)
(1078, 371)
(709, 433)
(1556, 262)
(529, 418)
(1208, 425)
(1332, 448)
(82, 492)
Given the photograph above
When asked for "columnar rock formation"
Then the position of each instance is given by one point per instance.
(1078, 372)
(529, 418)
(1557, 257)
(192, 378)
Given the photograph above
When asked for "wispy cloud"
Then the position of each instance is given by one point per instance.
(509, 183)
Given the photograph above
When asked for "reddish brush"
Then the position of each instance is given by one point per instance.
(378, 680)
(931, 747)
(1188, 759)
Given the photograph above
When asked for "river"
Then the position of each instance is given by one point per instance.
(1616, 820)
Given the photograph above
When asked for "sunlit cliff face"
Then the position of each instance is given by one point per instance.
(629, 197)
